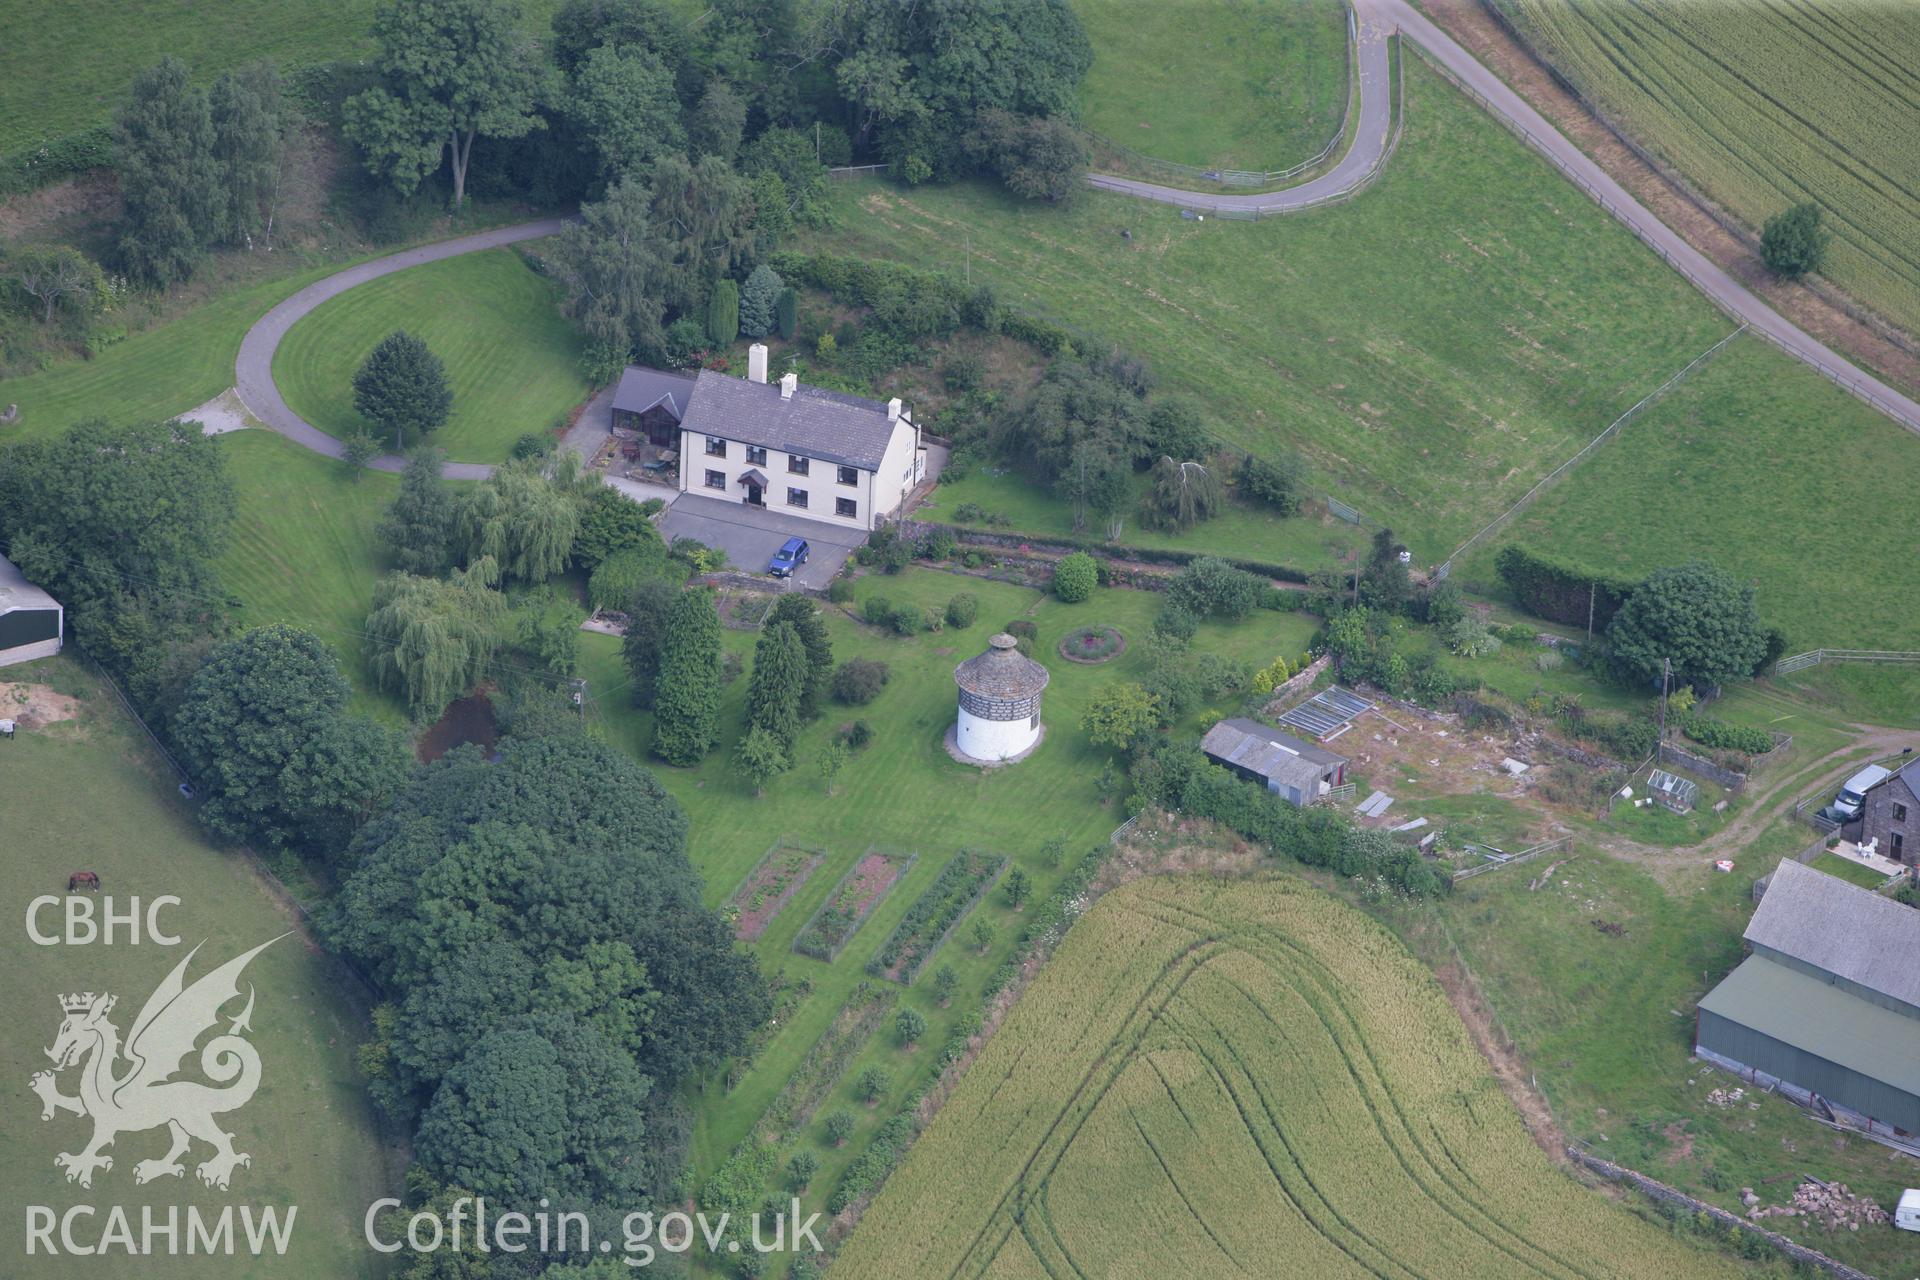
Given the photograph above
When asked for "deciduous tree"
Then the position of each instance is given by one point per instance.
(523, 517)
(432, 639)
(1793, 243)
(1694, 614)
(249, 142)
(624, 102)
(451, 71)
(170, 177)
(1121, 715)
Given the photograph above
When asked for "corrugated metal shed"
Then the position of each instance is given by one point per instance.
(1785, 1023)
(1290, 766)
(1821, 924)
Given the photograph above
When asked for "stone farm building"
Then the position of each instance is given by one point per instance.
(31, 621)
(1826, 1006)
(1296, 771)
(1891, 815)
(803, 451)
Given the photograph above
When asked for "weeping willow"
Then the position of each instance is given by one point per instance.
(432, 639)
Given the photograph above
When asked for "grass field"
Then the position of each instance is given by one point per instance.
(87, 793)
(303, 548)
(512, 361)
(1852, 872)
(1235, 84)
(1604, 1024)
(1240, 1078)
(1317, 541)
(1761, 465)
(66, 64)
(1432, 347)
(1766, 105)
(902, 793)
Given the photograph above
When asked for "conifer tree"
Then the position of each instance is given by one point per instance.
(779, 682)
(687, 703)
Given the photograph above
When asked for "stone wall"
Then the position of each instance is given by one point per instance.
(1661, 1193)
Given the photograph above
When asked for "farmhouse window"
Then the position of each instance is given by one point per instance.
(846, 507)
(756, 455)
(796, 497)
(849, 475)
(796, 464)
(1035, 722)
(716, 479)
(716, 447)
(1899, 813)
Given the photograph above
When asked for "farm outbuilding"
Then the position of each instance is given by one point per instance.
(1827, 1004)
(32, 623)
(1296, 771)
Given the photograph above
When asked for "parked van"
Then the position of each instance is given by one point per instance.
(1846, 806)
(1907, 1216)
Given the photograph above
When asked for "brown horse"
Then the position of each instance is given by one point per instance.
(89, 880)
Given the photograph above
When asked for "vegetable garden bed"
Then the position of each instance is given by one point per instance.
(961, 884)
(852, 901)
(771, 884)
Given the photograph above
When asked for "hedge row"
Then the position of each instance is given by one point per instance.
(890, 1147)
(1560, 592)
(53, 159)
(869, 282)
(1180, 778)
(1107, 550)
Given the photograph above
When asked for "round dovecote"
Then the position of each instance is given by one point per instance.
(999, 701)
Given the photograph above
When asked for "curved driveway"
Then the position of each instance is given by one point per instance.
(253, 370)
(1375, 20)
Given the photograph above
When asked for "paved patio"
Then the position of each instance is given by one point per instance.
(750, 535)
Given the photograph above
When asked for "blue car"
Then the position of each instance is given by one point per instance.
(791, 555)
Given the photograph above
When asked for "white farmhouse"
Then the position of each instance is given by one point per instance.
(803, 451)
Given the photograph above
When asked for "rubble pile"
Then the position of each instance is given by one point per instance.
(1830, 1204)
(1725, 1097)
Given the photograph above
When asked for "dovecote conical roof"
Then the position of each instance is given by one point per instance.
(1001, 672)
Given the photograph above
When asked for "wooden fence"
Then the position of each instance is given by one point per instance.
(1814, 657)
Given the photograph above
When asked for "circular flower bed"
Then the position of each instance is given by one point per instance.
(1093, 644)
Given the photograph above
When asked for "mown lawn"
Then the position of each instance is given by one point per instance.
(1433, 347)
(89, 793)
(903, 792)
(1236, 84)
(303, 549)
(1310, 541)
(1760, 465)
(512, 361)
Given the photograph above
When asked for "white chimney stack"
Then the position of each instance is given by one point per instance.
(893, 409)
(788, 382)
(757, 362)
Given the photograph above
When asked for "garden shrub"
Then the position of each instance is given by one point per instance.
(909, 620)
(936, 544)
(1023, 629)
(1561, 593)
(1176, 621)
(1074, 577)
(840, 590)
(858, 681)
(1209, 587)
(962, 609)
(856, 735)
(878, 610)
(1727, 737)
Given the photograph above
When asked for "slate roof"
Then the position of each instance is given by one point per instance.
(1799, 1010)
(829, 425)
(1842, 929)
(1002, 671)
(642, 388)
(17, 593)
(1268, 752)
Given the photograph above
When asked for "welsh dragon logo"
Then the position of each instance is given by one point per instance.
(144, 1095)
